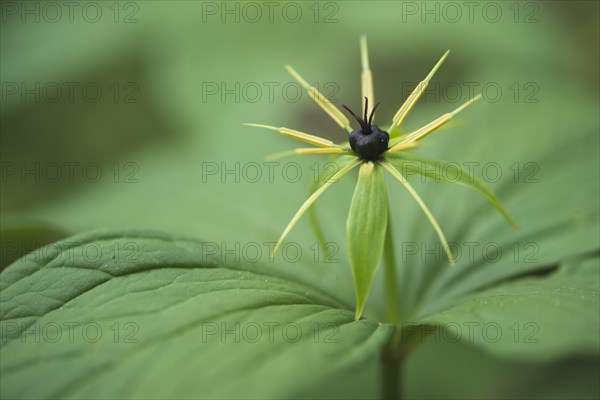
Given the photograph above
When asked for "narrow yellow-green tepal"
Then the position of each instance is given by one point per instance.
(366, 227)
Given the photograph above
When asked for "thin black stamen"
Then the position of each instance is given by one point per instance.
(372, 113)
(365, 111)
(362, 123)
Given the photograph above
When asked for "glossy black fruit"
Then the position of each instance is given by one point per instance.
(370, 145)
(368, 142)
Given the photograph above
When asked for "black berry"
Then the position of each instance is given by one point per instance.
(368, 142)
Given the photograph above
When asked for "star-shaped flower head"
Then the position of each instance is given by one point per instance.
(371, 147)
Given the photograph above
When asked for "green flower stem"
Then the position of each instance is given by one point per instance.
(393, 358)
(392, 388)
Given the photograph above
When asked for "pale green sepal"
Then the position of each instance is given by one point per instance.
(438, 171)
(366, 227)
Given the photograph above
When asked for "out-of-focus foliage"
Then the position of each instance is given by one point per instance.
(177, 81)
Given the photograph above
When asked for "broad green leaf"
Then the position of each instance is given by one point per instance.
(557, 214)
(366, 225)
(83, 317)
(531, 318)
(442, 171)
(565, 378)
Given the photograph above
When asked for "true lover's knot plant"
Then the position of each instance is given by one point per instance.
(374, 150)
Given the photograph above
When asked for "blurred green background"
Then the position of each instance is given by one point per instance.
(117, 114)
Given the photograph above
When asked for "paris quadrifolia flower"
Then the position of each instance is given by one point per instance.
(374, 150)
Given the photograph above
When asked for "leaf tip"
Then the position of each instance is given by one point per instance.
(358, 312)
(277, 245)
(511, 221)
